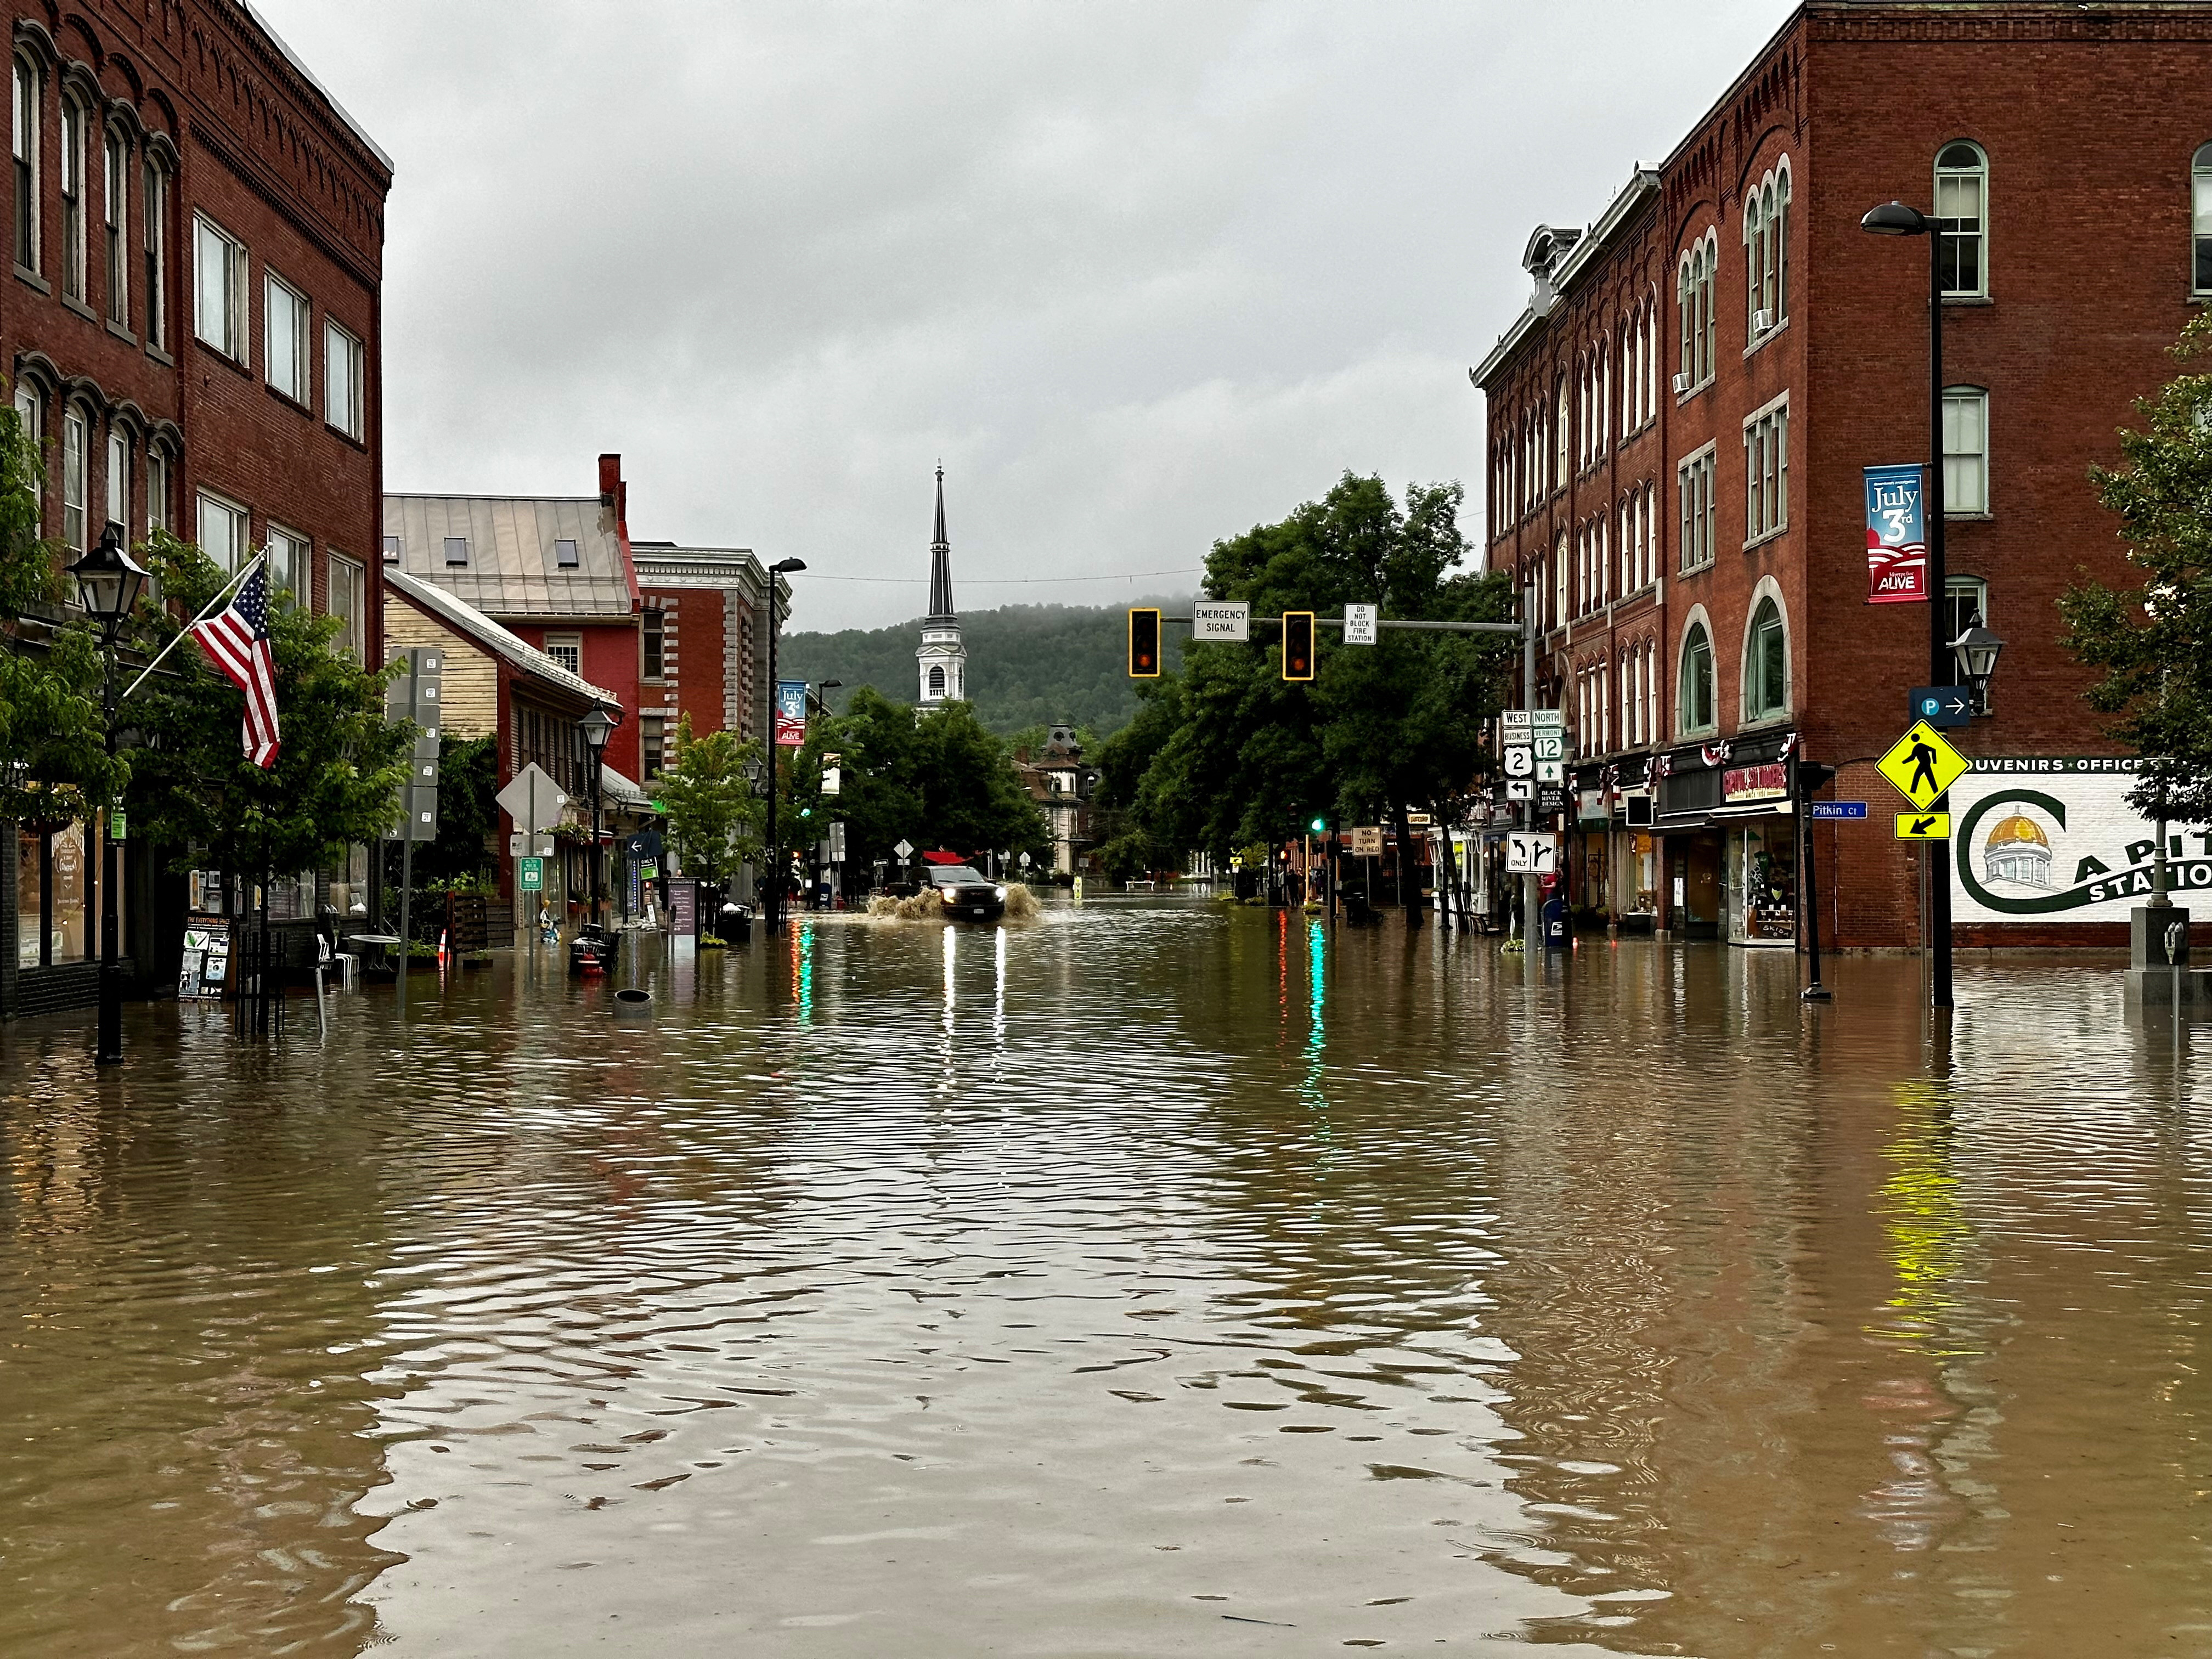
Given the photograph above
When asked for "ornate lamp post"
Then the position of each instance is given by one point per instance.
(599, 725)
(108, 580)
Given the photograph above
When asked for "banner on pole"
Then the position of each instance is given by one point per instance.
(1897, 535)
(790, 713)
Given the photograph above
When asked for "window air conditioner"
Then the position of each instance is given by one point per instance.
(1682, 384)
(1761, 321)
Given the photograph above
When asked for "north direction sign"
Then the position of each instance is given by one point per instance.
(1921, 765)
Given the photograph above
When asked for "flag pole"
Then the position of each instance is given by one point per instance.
(221, 594)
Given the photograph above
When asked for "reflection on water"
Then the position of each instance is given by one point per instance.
(1148, 1278)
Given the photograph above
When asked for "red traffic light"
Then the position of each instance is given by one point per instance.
(1144, 644)
(1297, 645)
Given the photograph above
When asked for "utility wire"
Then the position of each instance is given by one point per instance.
(1004, 581)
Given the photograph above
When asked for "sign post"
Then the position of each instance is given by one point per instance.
(1922, 767)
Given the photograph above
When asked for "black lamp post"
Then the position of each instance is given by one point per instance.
(773, 913)
(1976, 651)
(599, 725)
(108, 580)
(1895, 219)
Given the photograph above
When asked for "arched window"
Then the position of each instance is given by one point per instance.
(1754, 266)
(2200, 190)
(74, 122)
(1604, 397)
(1562, 473)
(1778, 230)
(1686, 321)
(1711, 308)
(30, 92)
(1765, 664)
(119, 452)
(114, 216)
(154, 191)
(1962, 190)
(936, 680)
(1694, 695)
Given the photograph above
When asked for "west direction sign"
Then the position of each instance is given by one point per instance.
(1836, 809)
(1942, 705)
(1921, 765)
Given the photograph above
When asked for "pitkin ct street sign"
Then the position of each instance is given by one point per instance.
(1836, 809)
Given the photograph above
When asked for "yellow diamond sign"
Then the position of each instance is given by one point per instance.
(1921, 766)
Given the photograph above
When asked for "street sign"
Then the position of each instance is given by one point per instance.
(1515, 720)
(1551, 746)
(1924, 826)
(1520, 761)
(1942, 705)
(530, 875)
(833, 780)
(1520, 788)
(1359, 621)
(1367, 843)
(1554, 718)
(904, 849)
(119, 824)
(1836, 809)
(1226, 620)
(1531, 854)
(520, 846)
(1550, 771)
(1419, 820)
(837, 842)
(1921, 766)
(533, 800)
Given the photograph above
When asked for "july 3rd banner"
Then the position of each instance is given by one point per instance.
(790, 713)
(1896, 536)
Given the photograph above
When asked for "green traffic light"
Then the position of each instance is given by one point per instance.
(1320, 826)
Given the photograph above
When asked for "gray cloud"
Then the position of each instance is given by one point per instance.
(1143, 275)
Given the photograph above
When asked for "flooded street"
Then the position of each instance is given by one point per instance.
(1151, 1278)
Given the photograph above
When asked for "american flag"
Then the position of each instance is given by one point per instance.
(237, 642)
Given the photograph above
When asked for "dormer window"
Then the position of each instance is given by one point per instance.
(564, 555)
(457, 550)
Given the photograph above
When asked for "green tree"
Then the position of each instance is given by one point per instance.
(713, 818)
(1382, 729)
(468, 811)
(53, 756)
(337, 774)
(2152, 641)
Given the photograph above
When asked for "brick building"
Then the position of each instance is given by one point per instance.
(1677, 426)
(193, 332)
(705, 632)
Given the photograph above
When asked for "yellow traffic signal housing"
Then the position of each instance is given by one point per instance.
(1297, 645)
(1144, 644)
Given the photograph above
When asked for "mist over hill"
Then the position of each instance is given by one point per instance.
(1028, 664)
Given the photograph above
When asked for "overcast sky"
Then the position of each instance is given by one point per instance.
(1141, 275)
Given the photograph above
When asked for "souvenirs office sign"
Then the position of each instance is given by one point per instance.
(2046, 839)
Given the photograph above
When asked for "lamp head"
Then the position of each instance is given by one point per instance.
(108, 578)
(785, 566)
(599, 725)
(1894, 219)
(1976, 650)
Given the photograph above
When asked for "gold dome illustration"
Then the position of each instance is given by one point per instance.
(2018, 850)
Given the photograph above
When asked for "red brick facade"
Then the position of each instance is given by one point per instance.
(2087, 120)
(192, 94)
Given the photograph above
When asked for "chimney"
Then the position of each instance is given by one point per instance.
(610, 480)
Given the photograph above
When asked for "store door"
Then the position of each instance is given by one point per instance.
(1697, 878)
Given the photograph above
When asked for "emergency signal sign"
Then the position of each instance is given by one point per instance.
(1143, 643)
(1297, 645)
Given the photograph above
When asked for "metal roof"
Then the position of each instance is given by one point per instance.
(465, 618)
(510, 568)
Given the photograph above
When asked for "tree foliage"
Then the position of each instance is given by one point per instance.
(2152, 641)
(338, 775)
(713, 818)
(468, 811)
(54, 762)
(1227, 752)
(940, 779)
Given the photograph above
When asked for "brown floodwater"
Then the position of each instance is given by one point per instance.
(1150, 1279)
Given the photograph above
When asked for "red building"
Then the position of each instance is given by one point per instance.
(1679, 421)
(192, 332)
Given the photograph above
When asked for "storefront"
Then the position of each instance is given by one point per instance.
(1759, 834)
(1726, 841)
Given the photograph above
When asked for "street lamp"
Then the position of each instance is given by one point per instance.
(599, 725)
(774, 908)
(1895, 219)
(1976, 651)
(108, 580)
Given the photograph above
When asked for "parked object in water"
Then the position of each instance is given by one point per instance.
(966, 893)
(593, 951)
(633, 1005)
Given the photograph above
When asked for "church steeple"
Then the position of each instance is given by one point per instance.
(941, 661)
(941, 562)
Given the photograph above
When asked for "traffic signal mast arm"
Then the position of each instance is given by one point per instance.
(1338, 622)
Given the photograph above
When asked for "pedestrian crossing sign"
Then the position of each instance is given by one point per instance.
(1921, 765)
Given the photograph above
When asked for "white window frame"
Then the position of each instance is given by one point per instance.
(345, 395)
(29, 117)
(77, 476)
(2200, 220)
(1975, 464)
(220, 509)
(160, 485)
(115, 219)
(1697, 624)
(279, 294)
(349, 602)
(1767, 472)
(76, 261)
(1768, 593)
(154, 191)
(1956, 177)
(118, 477)
(31, 410)
(219, 295)
(567, 650)
(1693, 480)
(290, 569)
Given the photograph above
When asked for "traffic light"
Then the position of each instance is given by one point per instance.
(1297, 645)
(1319, 826)
(1144, 644)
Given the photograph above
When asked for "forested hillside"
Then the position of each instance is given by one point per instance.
(1028, 664)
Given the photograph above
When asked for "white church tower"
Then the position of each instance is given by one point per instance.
(941, 658)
